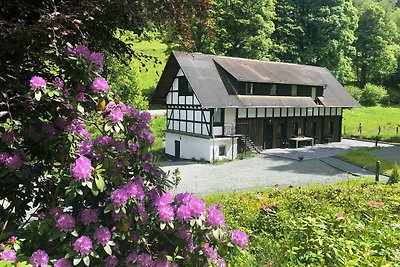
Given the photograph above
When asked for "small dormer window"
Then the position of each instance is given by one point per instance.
(184, 88)
(249, 88)
(294, 90)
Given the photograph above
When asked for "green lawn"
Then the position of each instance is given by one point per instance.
(152, 69)
(362, 158)
(158, 127)
(371, 118)
(354, 223)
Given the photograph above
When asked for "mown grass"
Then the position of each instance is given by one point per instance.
(151, 69)
(371, 118)
(362, 158)
(355, 223)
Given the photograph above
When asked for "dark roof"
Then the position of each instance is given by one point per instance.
(208, 76)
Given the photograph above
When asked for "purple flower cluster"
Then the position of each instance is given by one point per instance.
(85, 148)
(111, 261)
(103, 141)
(239, 238)
(100, 85)
(65, 223)
(77, 127)
(58, 82)
(215, 218)
(8, 255)
(117, 111)
(81, 169)
(210, 252)
(63, 263)
(165, 211)
(82, 51)
(120, 196)
(89, 216)
(12, 162)
(37, 82)
(8, 137)
(83, 245)
(190, 206)
(139, 260)
(102, 235)
(39, 259)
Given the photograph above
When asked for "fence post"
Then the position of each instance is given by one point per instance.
(344, 130)
(379, 130)
(397, 130)
(377, 171)
(360, 128)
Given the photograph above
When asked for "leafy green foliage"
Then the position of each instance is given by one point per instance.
(373, 95)
(394, 178)
(125, 81)
(355, 92)
(353, 224)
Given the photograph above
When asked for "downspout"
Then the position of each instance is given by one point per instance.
(212, 134)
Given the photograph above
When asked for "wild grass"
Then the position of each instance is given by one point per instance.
(371, 118)
(158, 127)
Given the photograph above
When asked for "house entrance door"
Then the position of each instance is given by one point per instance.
(269, 129)
(177, 149)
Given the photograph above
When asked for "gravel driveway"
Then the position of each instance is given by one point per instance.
(276, 167)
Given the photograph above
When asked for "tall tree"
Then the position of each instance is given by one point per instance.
(243, 28)
(316, 32)
(376, 53)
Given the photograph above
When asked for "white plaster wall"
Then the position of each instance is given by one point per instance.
(230, 115)
(199, 148)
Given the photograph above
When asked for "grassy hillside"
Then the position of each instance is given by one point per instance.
(151, 69)
(351, 224)
(388, 118)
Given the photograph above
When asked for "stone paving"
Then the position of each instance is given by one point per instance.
(276, 167)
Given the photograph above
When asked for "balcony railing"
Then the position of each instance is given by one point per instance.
(235, 129)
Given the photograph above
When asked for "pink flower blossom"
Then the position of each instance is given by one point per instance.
(97, 59)
(119, 197)
(83, 245)
(239, 238)
(37, 82)
(215, 218)
(81, 169)
(376, 204)
(166, 213)
(210, 252)
(58, 82)
(100, 85)
(39, 258)
(8, 255)
(13, 239)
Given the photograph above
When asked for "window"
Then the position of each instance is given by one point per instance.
(294, 90)
(249, 88)
(330, 127)
(295, 128)
(218, 116)
(284, 90)
(184, 88)
(314, 128)
(273, 89)
(314, 93)
(222, 151)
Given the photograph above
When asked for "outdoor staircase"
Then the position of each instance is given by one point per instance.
(249, 144)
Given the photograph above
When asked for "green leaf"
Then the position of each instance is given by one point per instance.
(86, 260)
(16, 247)
(162, 226)
(69, 254)
(108, 127)
(77, 261)
(171, 224)
(100, 183)
(80, 109)
(50, 93)
(95, 191)
(74, 233)
(79, 191)
(38, 95)
(108, 208)
(89, 184)
(108, 249)
(192, 222)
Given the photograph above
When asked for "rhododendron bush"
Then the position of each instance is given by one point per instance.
(79, 186)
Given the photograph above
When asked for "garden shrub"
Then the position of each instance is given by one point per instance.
(354, 224)
(373, 95)
(355, 92)
(79, 185)
(395, 175)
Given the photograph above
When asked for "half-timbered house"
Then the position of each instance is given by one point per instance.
(217, 106)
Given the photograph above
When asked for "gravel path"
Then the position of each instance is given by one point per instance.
(276, 167)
